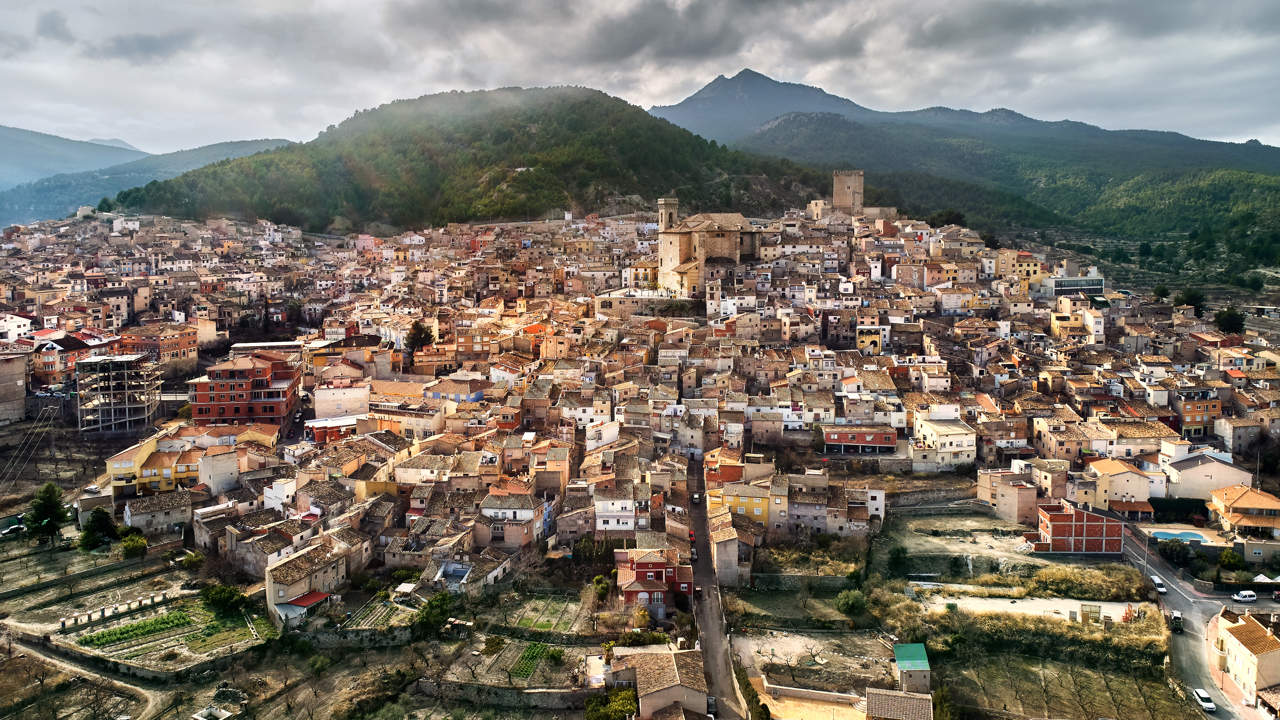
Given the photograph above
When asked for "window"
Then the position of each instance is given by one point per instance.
(648, 576)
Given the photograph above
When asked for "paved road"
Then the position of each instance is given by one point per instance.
(1188, 651)
(711, 630)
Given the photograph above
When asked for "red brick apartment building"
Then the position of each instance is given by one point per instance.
(1065, 528)
(261, 388)
(167, 343)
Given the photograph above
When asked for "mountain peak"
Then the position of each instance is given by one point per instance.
(114, 142)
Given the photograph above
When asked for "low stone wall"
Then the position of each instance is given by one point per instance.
(804, 693)
(494, 695)
(125, 668)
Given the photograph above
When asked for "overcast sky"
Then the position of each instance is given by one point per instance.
(171, 74)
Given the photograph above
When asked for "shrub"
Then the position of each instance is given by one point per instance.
(1105, 582)
(851, 602)
(319, 663)
(134, 546)
(556, 656)
(618, 704)
(1230, 560)
(192, 561)
(493, 644)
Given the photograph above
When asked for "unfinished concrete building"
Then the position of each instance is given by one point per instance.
(117, 393)
(13, 387)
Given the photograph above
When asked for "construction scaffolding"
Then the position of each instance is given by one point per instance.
(117, 393)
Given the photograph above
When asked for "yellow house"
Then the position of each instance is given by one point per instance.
(751, 501)
(125, 467)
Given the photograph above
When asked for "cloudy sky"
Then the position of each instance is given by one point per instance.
(166, 74)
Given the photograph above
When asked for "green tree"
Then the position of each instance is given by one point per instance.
(47, 514)
(1160, 291)
(184, 412)
(1144, 249)
(419, 337)
(1175, 551)
(1230, 560)
(134, 546)
(990, 240)
(1229, 320)
(618, 704)
(98, 529)
(105, 205)
(224, 599)
(432, 616)
(851, 602)
(1191, 296)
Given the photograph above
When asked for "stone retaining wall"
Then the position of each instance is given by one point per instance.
(494, 695)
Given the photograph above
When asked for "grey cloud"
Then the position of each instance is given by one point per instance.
(52, 25)
(12, 45)
(1203, 67)
(144, 48)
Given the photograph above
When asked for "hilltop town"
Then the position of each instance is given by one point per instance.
(839, 463)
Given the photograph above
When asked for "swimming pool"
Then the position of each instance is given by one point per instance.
(1184, 535)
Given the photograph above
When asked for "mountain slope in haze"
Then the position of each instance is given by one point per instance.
(59, 195)
(1126, 183)
(1081, 173)
(509, 153)
(727, 109)
(26, 155)
(113, 142)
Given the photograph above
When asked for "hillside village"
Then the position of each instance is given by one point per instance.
(834, 463)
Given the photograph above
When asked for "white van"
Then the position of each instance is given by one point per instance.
(1245, 596)
(1160, 588)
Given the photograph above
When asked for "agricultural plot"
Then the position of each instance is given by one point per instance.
(518, 663)
(1036, 688)
(379, 614)
(179, 634)
(555, 613)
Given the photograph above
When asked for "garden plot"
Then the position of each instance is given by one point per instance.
(555, 613)
(518, 664)
(1037, 688)
(379, 614)
(172, 636)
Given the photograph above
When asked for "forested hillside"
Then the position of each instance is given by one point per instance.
(510, 153)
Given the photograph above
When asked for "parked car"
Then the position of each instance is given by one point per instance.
(697, 498)
(692, 537)
(711, 705)
(1160, 587)
(1203, 699)
(12, 530)
(693, 554)
(1175, 621)
(1275, 595)
(1245, 596)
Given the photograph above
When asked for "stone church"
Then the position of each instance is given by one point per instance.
(701, 248)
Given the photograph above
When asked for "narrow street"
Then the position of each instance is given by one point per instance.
(711, 629)
(1188, 651)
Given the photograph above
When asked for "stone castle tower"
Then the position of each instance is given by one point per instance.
(846, 191)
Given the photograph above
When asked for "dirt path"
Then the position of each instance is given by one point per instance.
(156, 700)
